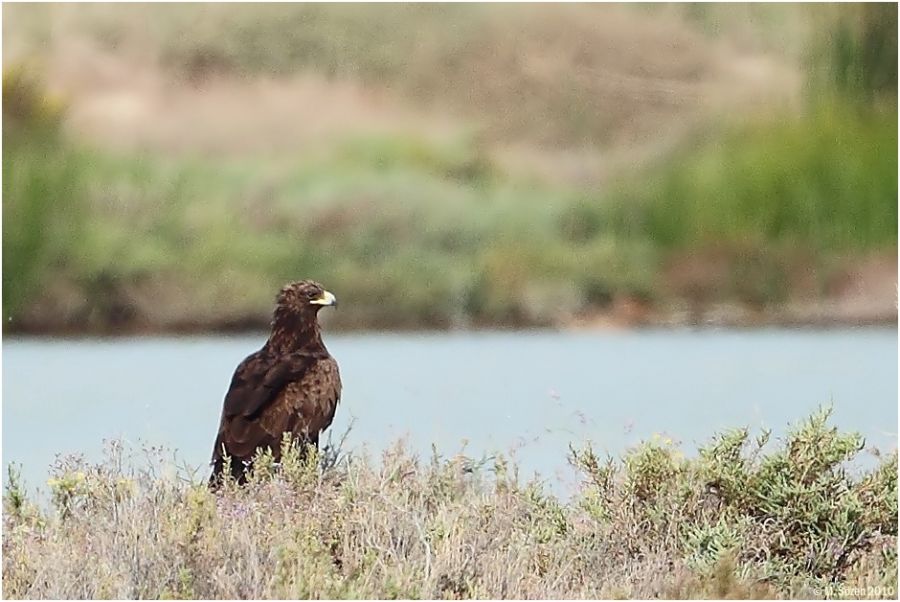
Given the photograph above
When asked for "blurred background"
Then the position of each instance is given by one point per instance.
(166, 168)
(560, 173)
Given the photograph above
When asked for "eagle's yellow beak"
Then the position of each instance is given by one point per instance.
(326, 299)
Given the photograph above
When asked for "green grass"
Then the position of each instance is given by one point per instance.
(43, 190)
(744, 518)
(413, 231)
(424, 234)
(826, 181)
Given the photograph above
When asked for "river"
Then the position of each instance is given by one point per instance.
(527, 393)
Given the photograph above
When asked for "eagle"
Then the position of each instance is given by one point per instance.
(291, 385)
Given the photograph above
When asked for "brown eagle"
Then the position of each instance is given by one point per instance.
(291, 385)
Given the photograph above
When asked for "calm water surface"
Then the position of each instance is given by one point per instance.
(532, 393)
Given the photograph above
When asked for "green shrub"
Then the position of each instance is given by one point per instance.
(793, 512)
(826, 183)
(741, 519)
(43, 189)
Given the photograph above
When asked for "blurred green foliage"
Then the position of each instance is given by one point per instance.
(855, 55)
(826, 181)
(43, 189)
(414, 232)
(423, 235)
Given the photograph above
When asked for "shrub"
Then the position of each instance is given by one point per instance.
(739, 520)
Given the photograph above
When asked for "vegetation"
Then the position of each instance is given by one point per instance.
(855, 56)
(414, 229)
(762, 204)
(824, 182)
(744, 518)
(422, 234)
(520, 71)
(42, 194)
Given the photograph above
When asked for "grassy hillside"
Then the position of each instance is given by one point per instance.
(742, 519)
(153, 182)
(414, 233)
(567, 75)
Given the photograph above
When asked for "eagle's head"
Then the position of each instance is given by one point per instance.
(304, 298)
(294, 322)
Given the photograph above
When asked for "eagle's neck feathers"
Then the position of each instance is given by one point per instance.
(292, 332)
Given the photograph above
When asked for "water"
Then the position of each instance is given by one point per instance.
(531, 393)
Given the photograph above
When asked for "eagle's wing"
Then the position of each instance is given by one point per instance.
(256, 383)
(259, 379)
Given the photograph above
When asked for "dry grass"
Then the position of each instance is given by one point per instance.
(735, 522)
(561, 77)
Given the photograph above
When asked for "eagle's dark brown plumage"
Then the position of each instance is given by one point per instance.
(291, 385)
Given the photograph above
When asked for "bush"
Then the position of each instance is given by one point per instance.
(824, 183)
(43, 189)
(791, 516)
(736, 521)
